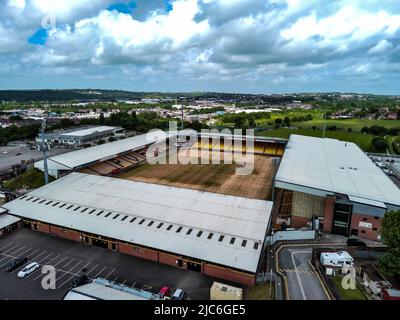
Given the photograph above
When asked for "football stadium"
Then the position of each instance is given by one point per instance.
(204, 217)
(200, 217)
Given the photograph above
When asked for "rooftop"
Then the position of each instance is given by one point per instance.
(87, 131)
(332, 166)
(213, 227)
(81, 157)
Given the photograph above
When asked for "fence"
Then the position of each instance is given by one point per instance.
(292, 235)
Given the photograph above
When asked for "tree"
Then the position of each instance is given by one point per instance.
(364, 130)
(278, 121)
(286, 121)
(379, 144)
(390, 262)
(102, 120)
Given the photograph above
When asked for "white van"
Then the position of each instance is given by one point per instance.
(28, 270)
(336, 259)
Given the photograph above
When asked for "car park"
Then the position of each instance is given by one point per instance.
(27, 270)
(15, 264)
(78, 281)
(178, 295)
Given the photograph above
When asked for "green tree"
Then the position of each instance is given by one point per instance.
(379, 144)
(278, 121)
(390, 262)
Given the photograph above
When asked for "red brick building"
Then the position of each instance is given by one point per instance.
(217, 235)
(335, 182)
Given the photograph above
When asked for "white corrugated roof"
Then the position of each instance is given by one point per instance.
(335, 166)
(88, 131)
(7, 220)
(95, 291)
(106, 151)
(241, 218)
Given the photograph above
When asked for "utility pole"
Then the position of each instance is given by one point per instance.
(44, 149)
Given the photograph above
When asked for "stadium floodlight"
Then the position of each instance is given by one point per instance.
(44, 147)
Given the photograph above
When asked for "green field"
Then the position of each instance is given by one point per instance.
(31, 179)
(355, 124)
(350, 294)
(362, 140)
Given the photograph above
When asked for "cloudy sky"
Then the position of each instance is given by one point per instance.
(250, 46)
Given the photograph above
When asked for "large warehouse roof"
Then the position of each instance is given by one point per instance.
(76, 159)
(333, 166)
(155, 216)
(88, 131)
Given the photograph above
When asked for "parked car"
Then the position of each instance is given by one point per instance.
(15, 264)
(78, 281)
(354, 242)
(178, 295)
(27, 270)
(165, 292)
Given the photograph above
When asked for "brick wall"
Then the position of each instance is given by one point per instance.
(43, 227)
(298, 222)
(328, 214)
(365, 232)
(167, 259)
(138, 252)
(227, 274)
(69, 235)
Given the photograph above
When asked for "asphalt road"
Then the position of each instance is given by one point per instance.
(302, 280)
(9, 157)
(71, 259)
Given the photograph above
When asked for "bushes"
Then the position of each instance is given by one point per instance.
(379, 144)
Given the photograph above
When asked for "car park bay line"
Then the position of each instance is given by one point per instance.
(53, 266)
(11, 255)
(69, 279)
(7, 253)
(49, 255)
(39, 255)
(32, 253)
(73, 259)
(6, 246)
(109, 273)
(92, 269)
(69, 270)
(99, 273)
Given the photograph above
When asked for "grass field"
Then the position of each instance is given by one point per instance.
(362, 140)
(350, 294)
(31, 179)
(261, 292)
(218, 178)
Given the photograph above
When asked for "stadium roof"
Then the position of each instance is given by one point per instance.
(155, 216)
(323, 166)
(76, 159)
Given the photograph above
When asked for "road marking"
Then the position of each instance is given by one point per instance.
(9, 244)
(49, 255)
(115, 279)
(32, 253)
(297, 274)
(10, 255)
(69, 279)
(326, 291)
(69, 262)
(123, 283)
(109, 274)
(99, 273)
(34, 258)
(88, 272)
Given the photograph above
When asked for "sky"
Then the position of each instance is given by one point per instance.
(244, 46)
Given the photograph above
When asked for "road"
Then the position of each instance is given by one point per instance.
(303, 282)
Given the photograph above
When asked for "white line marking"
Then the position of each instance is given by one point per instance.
(40, 254)
(49, 255)
(32, 253)
(109, 273)
(91, 269)
(6, 246)
(99, 273)
(69, 262)
(69, 279)
(297, 273)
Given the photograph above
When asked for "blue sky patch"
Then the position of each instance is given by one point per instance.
(168, 5)
(39, 37)
(123, 7)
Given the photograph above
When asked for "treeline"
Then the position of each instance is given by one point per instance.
(143, 122)
(381, 131)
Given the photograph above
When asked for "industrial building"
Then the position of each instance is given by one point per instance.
(8, 223)
(81, 136)
(337, 183)
(214, 234)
